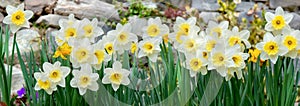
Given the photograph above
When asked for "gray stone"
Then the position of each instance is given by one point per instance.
(50, 19)
(208, 16)
(87, 9)
(1, 17)
(37, 6)
(284, 3)
(4, 3)
(205, 5)
(179, 3)
(295, 22)
(246, 6)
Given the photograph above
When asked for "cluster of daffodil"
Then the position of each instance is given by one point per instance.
(280, 39)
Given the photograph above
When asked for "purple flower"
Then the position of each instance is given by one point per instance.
(21, 92)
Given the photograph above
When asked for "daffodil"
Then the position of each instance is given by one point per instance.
(237, 37)
(183, 28)
(190, 44)
(85, 79)
(68, 28)
(133, 48)
(82, 52)
(210, 42)
(291, 41)
(108, 43)
(271, 47)
(214, 28)
(116, 76)
(239, 64)
(56, 73)
(122, 37)
(89, 29)
(279, 21)
(155, 28)
(221, 58)
(254, 53)
(150, 48)
(196, 63)
(17, 17)
(63, 51)
(43, 82)
(100, 53)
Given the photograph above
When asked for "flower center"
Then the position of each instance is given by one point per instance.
(44, 84)
(195, 64)
(84, 81)
(148, 47)
(109, 48)
(18, 18)
(218, 59)
(210, 45)
(153, 30)
(70, 32)
(234, 40)
(278, 22)
(116, 78)
(290, 42)
(82, 55)
(100, 55)
(271, 48)
(55, 75)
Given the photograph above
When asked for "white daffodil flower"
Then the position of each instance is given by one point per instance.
(271, 47)
(101, 55)
(214, 28)
(291, 41)
(108, 43)
(89, 29)
(43, 82)
(17, 17)
(122, 37)
(183, 28)
(82, 52)
(237, 37)
(116, 76)
(155, 28)
(196, 63)
(85, 79)
(221, 58)
(27, 40)
(190, 44)
(56, 73)
(68, 29)
(150, 48)
(279, 21)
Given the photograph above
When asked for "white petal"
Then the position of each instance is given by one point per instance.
(28, 14)
(269, 27)
(47, 67)
(222, 71)
(94, 86)
(263, 56)
(288, 18)
(21, 6)
(106, 79)
(117, 66)
(125, 80)
(14, 28)
(7, 20)
(193, 73)
(37, 87)
(279, 11)
(10, 9)
(73, 83)
(268, 36)
(224, 24)
(62, 83)
(269, 16)
(95, 76)
(153, 57)
(273, 58)
(82, 91)
(115, 87)
(66, 71)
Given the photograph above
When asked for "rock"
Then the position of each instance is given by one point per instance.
(207, 16)
(205, 5)
(295, 22)
(245, 6)
(4, 3)
(37, 6)
(87, 9)
(50, 19)
(180, 3)
(1, 17)
(284, 3)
